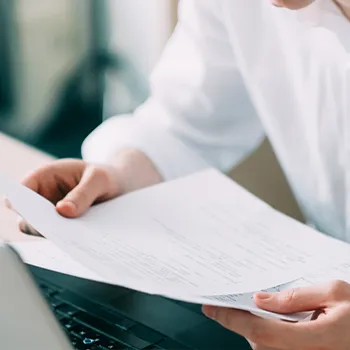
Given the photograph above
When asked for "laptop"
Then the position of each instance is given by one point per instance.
(41, 309)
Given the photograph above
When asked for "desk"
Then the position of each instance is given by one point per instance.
(16, 160)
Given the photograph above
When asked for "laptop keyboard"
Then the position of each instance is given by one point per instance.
(90, 332)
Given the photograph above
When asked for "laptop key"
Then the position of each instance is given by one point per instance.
(47, 290)
(67, 309)
(117, 320)
(74, 341)
(87, 305)
(80, 331)
(55, 302)
(68, 324)
(59, 316)
(112, 331)
(111, 344)
(83, 344)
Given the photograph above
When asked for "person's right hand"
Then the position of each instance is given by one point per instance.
(74, 185)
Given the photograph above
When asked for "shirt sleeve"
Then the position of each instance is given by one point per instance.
(199, 113)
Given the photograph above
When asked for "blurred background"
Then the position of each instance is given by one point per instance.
(66, 65)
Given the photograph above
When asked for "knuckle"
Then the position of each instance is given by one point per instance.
(338, 289)
(34, 174)
(80, 195)
(288, 297)
(98, 173)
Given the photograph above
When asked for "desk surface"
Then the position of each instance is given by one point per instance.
(16, 160)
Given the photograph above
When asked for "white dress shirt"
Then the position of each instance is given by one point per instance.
(235, 71)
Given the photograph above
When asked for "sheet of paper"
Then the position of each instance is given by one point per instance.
(197, 237)
(200, 235)
(45, 254)
(334, 272)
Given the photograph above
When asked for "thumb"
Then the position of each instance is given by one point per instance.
(94, 185)
(301, 299)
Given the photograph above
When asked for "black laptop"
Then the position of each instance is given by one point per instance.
(96, 316)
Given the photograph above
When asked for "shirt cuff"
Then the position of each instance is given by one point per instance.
(171, 157)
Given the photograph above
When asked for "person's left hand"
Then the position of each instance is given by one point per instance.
(328, 330)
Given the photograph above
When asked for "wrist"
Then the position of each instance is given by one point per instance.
(134, 170)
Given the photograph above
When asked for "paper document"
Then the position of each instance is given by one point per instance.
(45, 254)
(201, 238)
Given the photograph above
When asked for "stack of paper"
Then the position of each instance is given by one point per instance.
(201, 239)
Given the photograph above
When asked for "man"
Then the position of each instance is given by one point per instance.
(232, 72)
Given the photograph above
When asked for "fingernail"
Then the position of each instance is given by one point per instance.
(263, 296)
(210, 312)
(7, 203)
(72, 206)
(277, 3)
(22, 225)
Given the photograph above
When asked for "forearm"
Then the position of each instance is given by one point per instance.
(144, 147)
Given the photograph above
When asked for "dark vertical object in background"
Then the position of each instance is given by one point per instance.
(78, 104)
(6, 26)
(99, 49)
(80, 107)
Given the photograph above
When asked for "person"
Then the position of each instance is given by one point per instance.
(233, 72)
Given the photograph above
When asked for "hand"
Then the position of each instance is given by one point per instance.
(328, 330)
(74, 185)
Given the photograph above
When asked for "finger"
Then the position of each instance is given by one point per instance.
(26, 228)
(31, 182)
(303, 299)
(8, 204)
(268, 333)
(252, 345)
(93, 186)
(23, 226)
(48, 182)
